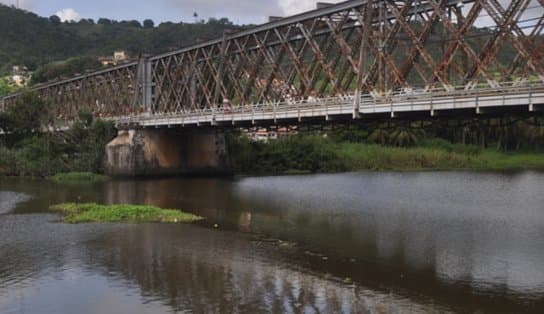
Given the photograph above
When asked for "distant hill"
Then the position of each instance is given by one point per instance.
(30, 40)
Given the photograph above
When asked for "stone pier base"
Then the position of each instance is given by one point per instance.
(167, 152)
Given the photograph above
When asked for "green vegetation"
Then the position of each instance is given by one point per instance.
(6, 87)
(26, 117)
(33, 41)
(364, 157)
(64, 69)
(79, 177)
(289, 155)
(493, 144)
(324, 155)
(26, 151)
(81, 213)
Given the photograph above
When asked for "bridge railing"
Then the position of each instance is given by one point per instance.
(458, 92)
(417, 100)
(342, 104)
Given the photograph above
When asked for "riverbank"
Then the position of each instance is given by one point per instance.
(315, 154)
(364, 157)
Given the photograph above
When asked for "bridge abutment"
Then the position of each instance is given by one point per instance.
(167, 152)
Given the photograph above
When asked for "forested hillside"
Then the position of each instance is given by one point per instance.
(30, 40)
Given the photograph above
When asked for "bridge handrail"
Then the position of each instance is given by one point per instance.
(347, 100)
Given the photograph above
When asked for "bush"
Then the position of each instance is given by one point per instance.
(40, 156)
(25, 117)
(8, 162)
(80, 213)
(85, 145)
(295, 154)
(31, 152)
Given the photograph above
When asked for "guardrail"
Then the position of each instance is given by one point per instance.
(344, 105)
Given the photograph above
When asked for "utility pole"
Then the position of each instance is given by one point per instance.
(18, 4)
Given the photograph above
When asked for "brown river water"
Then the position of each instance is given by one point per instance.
(338, 243)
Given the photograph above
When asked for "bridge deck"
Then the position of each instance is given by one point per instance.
(530, 98)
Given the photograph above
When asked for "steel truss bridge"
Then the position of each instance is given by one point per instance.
(355, 59)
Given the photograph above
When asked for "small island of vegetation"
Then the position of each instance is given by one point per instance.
(91, 212)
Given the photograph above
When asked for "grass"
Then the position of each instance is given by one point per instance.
(315, 154)
(361, 157)
(90, 212)
(79, 177)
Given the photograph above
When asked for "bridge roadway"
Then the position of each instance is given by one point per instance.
(523, 98)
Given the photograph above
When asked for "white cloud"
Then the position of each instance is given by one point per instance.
(68, 15)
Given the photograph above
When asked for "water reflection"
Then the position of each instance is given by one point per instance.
(164, 268)
(227, 274)
(420, 241)
(482, 229)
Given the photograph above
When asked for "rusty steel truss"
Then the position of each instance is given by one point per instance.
(353, 48)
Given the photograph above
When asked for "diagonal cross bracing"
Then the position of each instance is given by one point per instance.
(373, 48)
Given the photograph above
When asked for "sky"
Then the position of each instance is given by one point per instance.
(238, 11)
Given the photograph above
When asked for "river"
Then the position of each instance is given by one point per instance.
(333, 243)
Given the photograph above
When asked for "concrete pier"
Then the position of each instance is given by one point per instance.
(167, 152)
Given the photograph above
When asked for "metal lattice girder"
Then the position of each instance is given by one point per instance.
(107, 93)
(375, 47)
(359, 46)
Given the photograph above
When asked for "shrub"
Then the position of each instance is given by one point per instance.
(79, 213)
(8, 162)
(297, 153)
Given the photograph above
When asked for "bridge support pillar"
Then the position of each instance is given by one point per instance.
(167, 152)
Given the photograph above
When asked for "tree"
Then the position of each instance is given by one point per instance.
(5, 87)
(132, 23)
(104, 21)
(29, 39)
(55, 20)
(26, 116)
(222, 21)
(149, 23)
(86, 21)
(66, 68)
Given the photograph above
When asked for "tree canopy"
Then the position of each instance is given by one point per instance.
(6, 87)
(26, 116)
(68, 68)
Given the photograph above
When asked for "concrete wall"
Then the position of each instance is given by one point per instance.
(167, 152)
